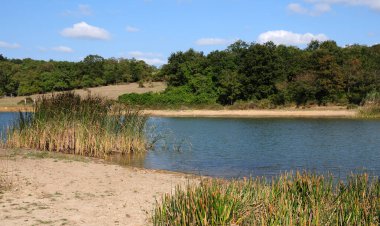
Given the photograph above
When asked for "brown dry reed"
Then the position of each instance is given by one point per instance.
(90, 126)
(290, 199)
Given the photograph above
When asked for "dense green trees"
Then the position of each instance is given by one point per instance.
(322, 73)
(27, 76)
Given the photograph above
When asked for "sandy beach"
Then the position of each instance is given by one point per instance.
(59, 191)
(288, 113)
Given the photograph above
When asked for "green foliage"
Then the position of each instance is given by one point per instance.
(300, 199)
(267, 75)
(182, 66)
(27, 76)
(322, 73)
(172, 97)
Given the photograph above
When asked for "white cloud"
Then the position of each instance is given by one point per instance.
(373, 4)
(149, 57)
(85, 10)
(82, 10)
(316, 10)
(137, 54)
(212, 41)
(63, 49)
(84, 30)
(8, 45)
(319, 7)
(154, 61)
(297, 8)
(132, 29)
(289, 38)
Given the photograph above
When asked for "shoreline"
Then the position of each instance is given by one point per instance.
(275, 113)
(283, 113)
(60, 190)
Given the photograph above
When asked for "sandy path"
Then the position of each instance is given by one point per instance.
(290, 113)
(62, 192)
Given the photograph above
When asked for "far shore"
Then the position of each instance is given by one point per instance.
(332, 112)
(275, 113)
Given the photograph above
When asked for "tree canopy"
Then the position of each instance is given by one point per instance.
(27, 76)
(322, 73)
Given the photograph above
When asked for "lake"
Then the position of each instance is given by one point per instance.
(233, 147)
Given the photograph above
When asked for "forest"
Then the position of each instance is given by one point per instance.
(269, 75)
(24, 77)
(258, 75)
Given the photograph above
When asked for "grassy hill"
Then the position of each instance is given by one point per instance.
(110, 92)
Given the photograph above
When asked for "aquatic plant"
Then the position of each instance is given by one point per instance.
(90, 126)
(290, 199)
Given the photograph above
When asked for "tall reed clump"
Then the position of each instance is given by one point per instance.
(90, 126)
(371, 107)
(300, 199)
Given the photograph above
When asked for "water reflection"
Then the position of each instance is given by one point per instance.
(136, 160)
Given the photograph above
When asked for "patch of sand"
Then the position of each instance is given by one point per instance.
(62, 192)
(110, 92)
(289, 113)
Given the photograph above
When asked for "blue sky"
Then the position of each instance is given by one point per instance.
(152, 29)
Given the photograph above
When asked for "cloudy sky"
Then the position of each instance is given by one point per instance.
(151, 30)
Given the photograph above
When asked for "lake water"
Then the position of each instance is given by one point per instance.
(251, 147)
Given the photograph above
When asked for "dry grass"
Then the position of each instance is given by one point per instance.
(110, 92)
(90, 126)
(300, 199)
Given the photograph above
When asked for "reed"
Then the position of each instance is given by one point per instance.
(90, 126)
(371, 107)
(370, 111)
(290, 199)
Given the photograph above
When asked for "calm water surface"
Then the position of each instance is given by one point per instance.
(245, 147)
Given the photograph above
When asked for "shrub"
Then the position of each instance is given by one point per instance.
(172, 97)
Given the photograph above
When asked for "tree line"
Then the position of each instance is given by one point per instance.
(322, 73)
(28, 76)
(264, 74)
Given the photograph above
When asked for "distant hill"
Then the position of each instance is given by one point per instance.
(110, 92)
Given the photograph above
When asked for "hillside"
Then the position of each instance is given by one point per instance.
(111, 92)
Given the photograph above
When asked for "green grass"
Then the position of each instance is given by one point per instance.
(90, 126)
(290, 199)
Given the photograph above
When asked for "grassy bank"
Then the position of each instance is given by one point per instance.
(300, 199)
(369, 112)
(68, 123)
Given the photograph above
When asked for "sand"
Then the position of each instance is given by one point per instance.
(64, 192)
(288, 113)
(110, 92)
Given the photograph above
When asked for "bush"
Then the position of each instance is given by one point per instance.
(172, 97)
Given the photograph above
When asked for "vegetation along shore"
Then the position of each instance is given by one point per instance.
(244, 80)
(242, 76)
